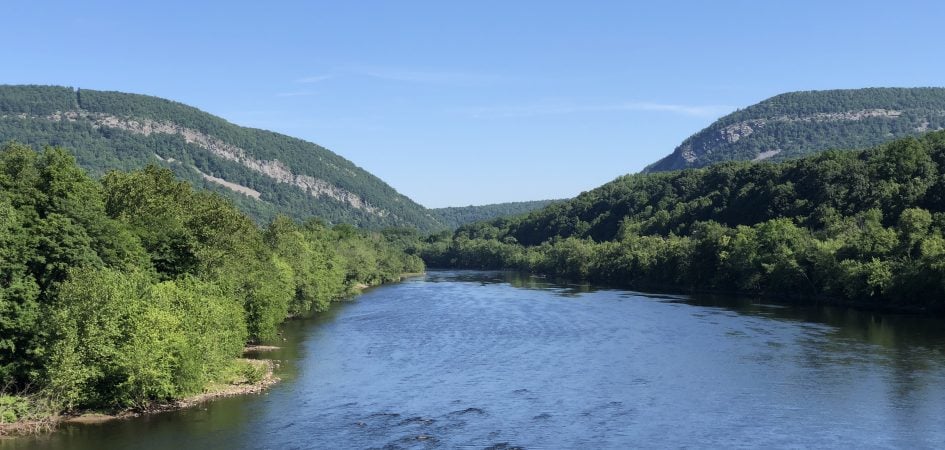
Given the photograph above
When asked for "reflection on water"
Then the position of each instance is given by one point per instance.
(500, 359)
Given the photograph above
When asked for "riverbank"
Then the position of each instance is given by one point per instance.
(360, 287)
(249, 376)
(242, 386)
(256, 376)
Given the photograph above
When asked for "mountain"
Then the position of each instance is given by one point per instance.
(799, 123)
(456, 216)
(264, 173)
(905, 173)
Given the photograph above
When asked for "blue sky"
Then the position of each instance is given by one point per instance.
(457, 103)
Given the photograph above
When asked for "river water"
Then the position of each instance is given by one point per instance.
(501, 360)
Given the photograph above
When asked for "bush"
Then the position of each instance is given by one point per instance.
(13, 408)
(120, 340)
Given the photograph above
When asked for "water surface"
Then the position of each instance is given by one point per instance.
(500, 360)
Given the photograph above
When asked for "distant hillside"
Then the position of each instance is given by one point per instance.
(456, 216)
(264, 173)
(799, 123)
(906, 173)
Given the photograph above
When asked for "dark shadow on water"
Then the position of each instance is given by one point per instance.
(888, 330)
(522, 280)
(884, 329)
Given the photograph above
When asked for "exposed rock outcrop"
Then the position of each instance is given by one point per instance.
(274, 169)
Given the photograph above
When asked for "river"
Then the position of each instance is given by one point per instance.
(502, 360)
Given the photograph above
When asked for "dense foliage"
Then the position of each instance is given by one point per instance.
(863, 226)
(137, 288)
(456, 216)
(28, 114)
(799, 123)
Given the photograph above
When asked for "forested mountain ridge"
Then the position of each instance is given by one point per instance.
(263, 172)
(799, 123)
(456, 216)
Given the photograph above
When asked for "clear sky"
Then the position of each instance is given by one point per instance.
(456, 103)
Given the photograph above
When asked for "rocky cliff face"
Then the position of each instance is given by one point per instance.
(795, 124)
(273, 169)
(264, 173)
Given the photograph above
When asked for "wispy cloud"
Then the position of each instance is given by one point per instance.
(689, 110)
(408, 75)
(424, 76)
(313, 79)
(572, 108)
(295, 94)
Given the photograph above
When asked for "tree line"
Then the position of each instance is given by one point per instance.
(857, 226)
(137, 288)
(455, 216)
